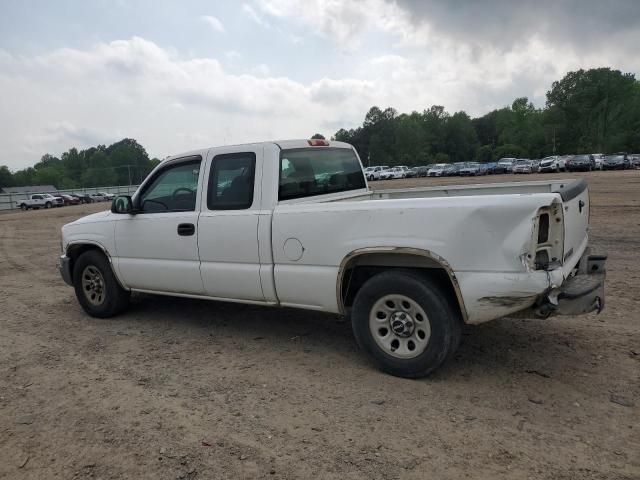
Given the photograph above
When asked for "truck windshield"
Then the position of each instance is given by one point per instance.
(305, 172)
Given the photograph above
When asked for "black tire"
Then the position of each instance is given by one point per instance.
(442, 314)
(24, 207)
(47, 205)
(115, 299)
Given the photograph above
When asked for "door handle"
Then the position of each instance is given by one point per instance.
(186, 229)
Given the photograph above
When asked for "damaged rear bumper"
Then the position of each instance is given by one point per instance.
(541, 294)
(581, 293)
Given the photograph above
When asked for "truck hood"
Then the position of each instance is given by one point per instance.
(94, 217)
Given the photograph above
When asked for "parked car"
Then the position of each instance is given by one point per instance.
(582, 162)
(635, 160)
(599, 160)
(412, 172)
(562, 160)
(522, 165)
(70, 200)
(368, 172)
(535, 166)
(55, 200)
(617, 161)
(491, 167)
(440, 170)
(84, 198)
(471, 169)
(456, 168)
(97, 197)
(422, 171)
(551, 164)
(373, 173)
(108, 196)
(38, 200)
(409, 287)
(505, 165)
(394, 172)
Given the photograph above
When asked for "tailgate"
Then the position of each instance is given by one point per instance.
(575, 200)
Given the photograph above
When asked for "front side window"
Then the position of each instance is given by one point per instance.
(174, 189)
(231, 181)
(315, 171)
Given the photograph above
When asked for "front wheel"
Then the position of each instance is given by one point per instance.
(47, 205)
(406, 323)
(96, 287)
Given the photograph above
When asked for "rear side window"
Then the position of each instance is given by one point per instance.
(312, 171)
(231, 181)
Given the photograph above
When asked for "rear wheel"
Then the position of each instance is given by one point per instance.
(24, 206)
(96, 287)
(406, 323)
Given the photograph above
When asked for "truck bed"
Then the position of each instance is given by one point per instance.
(567, 189)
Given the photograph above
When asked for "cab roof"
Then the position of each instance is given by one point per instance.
(282, 144)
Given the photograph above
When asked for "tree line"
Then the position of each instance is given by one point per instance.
(587, 111)
(121, 163)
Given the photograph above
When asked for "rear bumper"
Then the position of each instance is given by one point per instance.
(64, 266)
(579, 294)
(582, 293)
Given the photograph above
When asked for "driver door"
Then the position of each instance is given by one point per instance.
(157, 248)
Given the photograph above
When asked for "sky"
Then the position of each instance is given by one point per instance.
(180, 75)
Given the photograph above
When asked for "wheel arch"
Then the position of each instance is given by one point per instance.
(75, 249)
(384, 258)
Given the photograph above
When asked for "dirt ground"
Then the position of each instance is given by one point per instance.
(185, 389)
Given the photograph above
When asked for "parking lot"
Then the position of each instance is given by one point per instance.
(186, 389)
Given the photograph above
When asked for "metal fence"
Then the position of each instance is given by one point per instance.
(8, 201)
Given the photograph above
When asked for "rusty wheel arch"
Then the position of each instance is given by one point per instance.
(437, 263)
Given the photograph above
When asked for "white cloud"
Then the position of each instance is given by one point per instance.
(341, 21)
(233, 55)
(253, 15)
(135, 88)
(214, 23)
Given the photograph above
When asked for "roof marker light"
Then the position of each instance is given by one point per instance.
(318, 142)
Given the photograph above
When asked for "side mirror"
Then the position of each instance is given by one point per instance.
(122, 204)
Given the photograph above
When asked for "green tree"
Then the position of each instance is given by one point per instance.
(484, 153)
(461, 138)
(508, 151)
(6, 177)
(441, 158)
(594, 108)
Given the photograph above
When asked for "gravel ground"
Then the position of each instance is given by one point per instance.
(185, 389)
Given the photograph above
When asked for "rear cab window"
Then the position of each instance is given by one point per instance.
(306, 172)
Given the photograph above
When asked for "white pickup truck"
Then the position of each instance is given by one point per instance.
(40, 200)
(294, 224)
